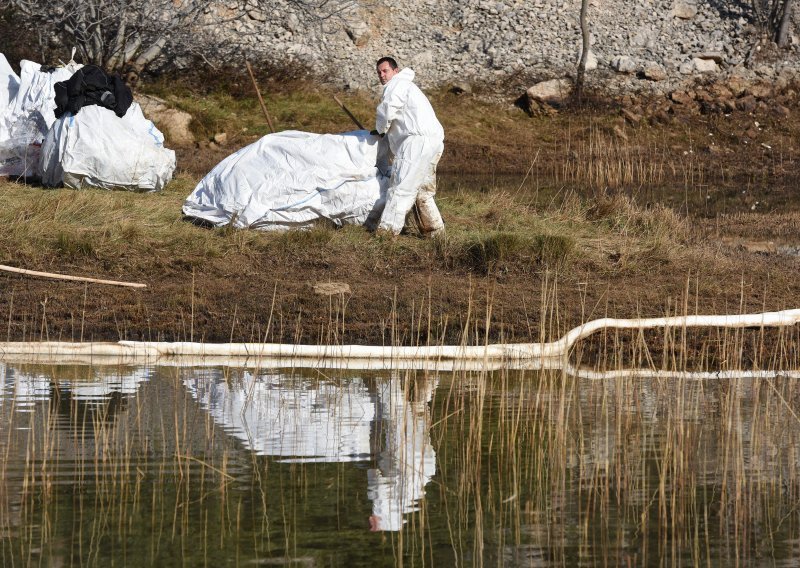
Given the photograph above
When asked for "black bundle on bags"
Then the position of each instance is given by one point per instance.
(90, 85)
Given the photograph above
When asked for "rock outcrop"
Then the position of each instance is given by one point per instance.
(644, 46)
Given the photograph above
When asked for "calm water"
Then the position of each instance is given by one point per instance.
(162, 466)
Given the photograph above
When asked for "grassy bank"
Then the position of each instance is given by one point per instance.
(551, 220)
(489, 234)
(509, 270)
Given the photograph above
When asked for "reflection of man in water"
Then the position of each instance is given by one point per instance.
(318, 421)
(407, 461)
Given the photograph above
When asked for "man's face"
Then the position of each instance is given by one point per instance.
(385, 72)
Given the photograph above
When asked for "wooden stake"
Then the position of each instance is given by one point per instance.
(350, 114)
(67, 277)
(260, 100)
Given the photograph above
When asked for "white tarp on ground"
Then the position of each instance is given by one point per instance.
(97, 148)
(28, 115)
(290, 180)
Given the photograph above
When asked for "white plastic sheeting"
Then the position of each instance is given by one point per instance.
(97, 148)
(27, 116)
(94, 147)
(297, 420)
(292, 179)
(9, 83)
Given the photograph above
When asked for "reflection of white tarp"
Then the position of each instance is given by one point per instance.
(27, 115)
(300, 420)
(97, 148)
(25, 389)
(318, 421)
(291, 179)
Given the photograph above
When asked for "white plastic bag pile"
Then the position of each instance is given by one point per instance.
(97, 148)
(27, 110)
(292, 179)
(94, 147)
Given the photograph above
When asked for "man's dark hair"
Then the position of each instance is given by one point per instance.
(390, 60)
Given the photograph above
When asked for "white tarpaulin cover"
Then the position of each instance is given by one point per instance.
(27, 116)
(290, 180)
(97, 148)
(9, 84)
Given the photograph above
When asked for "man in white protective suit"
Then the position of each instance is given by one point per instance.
(416, 140)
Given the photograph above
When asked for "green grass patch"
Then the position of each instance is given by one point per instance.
(311, 110)
(74, 246)
(502, 251)
(488, 233)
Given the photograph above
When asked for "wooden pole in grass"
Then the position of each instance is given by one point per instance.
(348, 113)
(260, 99)
(67, 277)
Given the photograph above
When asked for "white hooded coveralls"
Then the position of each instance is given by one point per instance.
(416, 140)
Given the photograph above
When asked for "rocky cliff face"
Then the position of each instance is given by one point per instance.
(637, 45)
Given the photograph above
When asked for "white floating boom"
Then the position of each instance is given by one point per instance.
(151, 350)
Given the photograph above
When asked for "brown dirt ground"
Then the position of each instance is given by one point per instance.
(241, 298)
(246, 297)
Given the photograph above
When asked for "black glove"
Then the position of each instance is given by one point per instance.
(375, 133)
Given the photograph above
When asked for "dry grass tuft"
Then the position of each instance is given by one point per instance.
(488, 232)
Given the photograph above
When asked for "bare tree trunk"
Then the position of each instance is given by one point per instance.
(116, 57)
(774, 17)
(131, 48)
(150, 54)
(584, 51)
(94, 30)
(782, 35)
